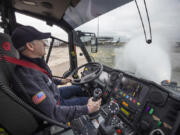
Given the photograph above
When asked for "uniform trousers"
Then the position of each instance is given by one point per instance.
(72, 95)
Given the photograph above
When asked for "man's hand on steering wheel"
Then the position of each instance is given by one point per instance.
(65, 81)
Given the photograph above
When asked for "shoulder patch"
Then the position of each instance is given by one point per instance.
(39, 97)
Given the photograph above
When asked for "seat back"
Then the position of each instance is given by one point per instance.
(14, 118)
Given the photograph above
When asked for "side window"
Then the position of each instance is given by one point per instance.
(1, 29)
(59, 57)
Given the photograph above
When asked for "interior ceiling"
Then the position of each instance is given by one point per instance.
(49, 8)
(74, 12)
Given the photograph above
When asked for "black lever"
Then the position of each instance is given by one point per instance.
(97, 94)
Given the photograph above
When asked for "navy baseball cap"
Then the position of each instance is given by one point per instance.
(24, 34)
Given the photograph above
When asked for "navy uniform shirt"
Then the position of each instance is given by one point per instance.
(43, 92)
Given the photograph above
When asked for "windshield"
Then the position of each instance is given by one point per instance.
(121, 42)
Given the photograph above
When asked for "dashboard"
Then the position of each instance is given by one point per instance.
(134, 106)
(143, 107)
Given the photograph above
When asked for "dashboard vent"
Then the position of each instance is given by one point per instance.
(173, 112)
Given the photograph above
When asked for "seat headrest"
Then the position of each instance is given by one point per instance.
(6, 46)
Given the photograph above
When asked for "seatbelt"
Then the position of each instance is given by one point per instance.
(25, 64)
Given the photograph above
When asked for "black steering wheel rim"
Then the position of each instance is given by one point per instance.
(95, 74)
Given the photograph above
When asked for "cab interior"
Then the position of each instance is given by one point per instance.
(19, 118)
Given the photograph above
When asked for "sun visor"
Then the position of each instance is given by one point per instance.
(87, 10)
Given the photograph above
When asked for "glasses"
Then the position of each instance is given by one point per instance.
(45, 41)
(21, 48)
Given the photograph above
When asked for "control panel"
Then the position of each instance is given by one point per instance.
(133, 106)
(144, 107)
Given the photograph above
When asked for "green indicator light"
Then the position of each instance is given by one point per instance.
(138, 103)
(151, 111)
(159, 123)
(121, 92)
(76, 76)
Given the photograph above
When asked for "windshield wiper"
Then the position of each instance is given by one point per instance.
(149, 41)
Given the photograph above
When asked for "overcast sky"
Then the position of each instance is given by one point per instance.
(124, 21)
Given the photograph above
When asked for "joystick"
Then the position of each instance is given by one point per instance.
(97, 94)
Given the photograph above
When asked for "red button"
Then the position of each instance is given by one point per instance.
(115, 101)
(134, 101)
(115, 89)
(105, 93)
(118, 131)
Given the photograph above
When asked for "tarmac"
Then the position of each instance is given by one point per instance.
(59, 60)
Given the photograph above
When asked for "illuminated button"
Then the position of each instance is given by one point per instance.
(118, 131)
(115, 89)
(130, 98)
(121, 93)
(134, 101)
(125, 104)
(124, 111)
(127, 96)
(155, 118)
(159, 123)
(151, 111)
(105, 93)
(124, 94)
(133, 94)
(166, 125)
(86, 69)
(138, 103)
(69, 124)
(115, 101)
(75, 76)
(147, 109)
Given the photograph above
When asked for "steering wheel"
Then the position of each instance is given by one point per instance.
(91, 76)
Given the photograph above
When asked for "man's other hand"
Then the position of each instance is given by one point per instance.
(93, 106)
(65, 81)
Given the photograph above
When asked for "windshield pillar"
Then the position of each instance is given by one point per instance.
(72, 55)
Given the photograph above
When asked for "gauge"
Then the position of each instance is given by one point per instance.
(113, 108)
(114, 76)
(157, 132)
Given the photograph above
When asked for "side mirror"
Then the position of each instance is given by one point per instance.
(86, 38)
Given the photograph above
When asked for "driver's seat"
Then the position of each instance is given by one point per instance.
(16, 116)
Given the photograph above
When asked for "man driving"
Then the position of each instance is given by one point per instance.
(40, 87)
